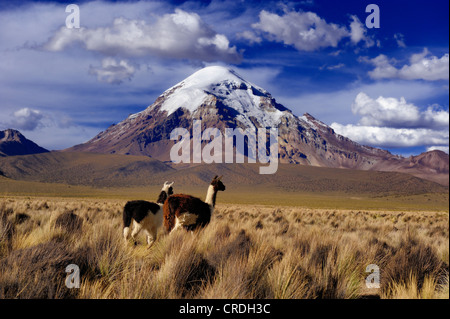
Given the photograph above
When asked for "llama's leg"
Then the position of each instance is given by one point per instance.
(178, 224)
(189, 219)
(151, 237)
(136, 229)
(184, 220)
(126, 233)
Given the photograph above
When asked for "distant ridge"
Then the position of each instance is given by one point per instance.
(102, 170)
(112, 170)
(12, 143)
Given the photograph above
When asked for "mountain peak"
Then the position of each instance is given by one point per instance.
(10, 135)
(214, 74)
(12, 142)
(208, 78)
(221, 84)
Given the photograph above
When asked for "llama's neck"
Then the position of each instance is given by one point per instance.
(162, 197)
(211, 196)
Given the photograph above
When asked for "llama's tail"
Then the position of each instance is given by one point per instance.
(126, 220)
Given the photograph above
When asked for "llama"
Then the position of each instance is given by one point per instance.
(145, 215)
(191, 212)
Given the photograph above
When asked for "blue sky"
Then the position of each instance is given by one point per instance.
(386, 87)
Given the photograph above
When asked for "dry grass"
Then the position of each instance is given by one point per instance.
(245, 252)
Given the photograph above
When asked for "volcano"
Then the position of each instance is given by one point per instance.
(221, 98)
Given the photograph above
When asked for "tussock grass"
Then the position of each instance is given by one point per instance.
(245, 252)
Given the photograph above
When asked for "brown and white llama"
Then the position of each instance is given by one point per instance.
(191, 212)
(145, 215)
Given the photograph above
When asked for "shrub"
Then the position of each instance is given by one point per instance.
(69, 221)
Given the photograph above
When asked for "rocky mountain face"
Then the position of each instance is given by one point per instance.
(12, 143)
(221, 99)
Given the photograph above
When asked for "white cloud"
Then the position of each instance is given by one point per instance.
(422, 67)
(334, 105)
(25, 119)
(358, 32)
(250, 36)
(400, 39)
(392, 122)
(47, 129)
(181, 35)
(306, 31)
(332, 67)
(335, 67)
(383, 67)
(392, 137)
(393, 112)
(113, 71)
(440, 148)
(427, 68)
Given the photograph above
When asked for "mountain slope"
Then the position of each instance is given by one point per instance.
(12, 143)
(100, 170)
(432, 165)
(222, 99)
(108, 170)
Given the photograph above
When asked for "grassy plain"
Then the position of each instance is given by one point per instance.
(247, 251)
(289, 239)
(255, 195)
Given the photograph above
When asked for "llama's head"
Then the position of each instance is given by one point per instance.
(168, 188)
(166, 191)
(217, 184)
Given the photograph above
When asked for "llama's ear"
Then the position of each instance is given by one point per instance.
(215, 177)
(170, 185)
(220, 177)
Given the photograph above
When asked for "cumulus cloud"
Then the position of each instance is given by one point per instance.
(51, 130)
(422, 66)
(393, 112)
(28, 119)
(306, 31)
(181, 35)
(383, 67)
(250, 36)
(113, 71)
(392, 122)
(392, 137)
(426, 67)
(25, 119)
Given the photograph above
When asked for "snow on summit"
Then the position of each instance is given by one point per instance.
(226, 85)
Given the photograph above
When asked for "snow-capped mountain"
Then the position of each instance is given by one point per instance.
(221, 99)
(234, 92)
